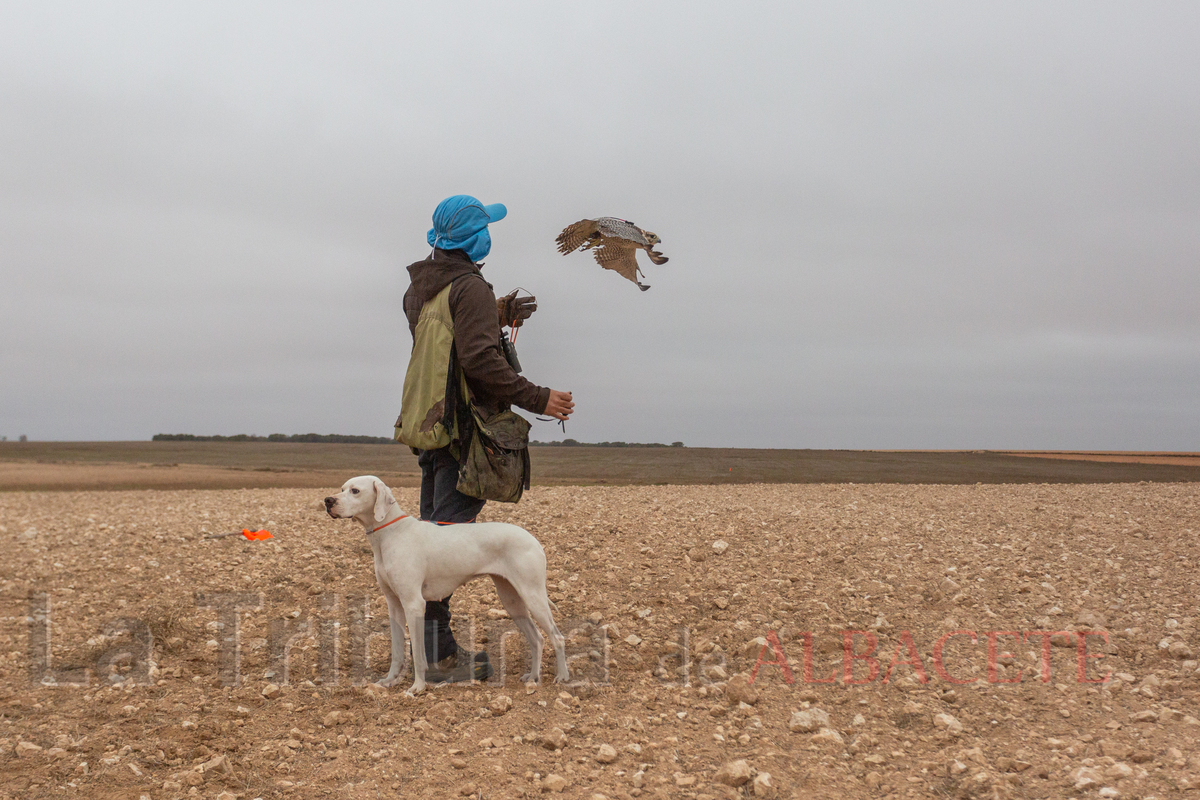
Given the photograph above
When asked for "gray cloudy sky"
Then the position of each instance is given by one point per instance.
(908, 225)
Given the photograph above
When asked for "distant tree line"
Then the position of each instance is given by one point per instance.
(574, 443)
(314, 438)
(337, 438)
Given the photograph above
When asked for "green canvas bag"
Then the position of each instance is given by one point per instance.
(495, 464)
(423, 423)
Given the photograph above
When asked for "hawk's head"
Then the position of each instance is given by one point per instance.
(651, 238)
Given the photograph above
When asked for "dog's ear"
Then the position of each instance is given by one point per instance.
(383, 499)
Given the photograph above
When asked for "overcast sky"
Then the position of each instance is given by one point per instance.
(907, 225)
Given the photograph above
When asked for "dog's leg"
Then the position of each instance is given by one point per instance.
(535, 639)
(538, 604)
(414, 613)
(510, 598)
(396, 624)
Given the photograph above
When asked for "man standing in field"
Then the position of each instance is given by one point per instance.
(459, 316)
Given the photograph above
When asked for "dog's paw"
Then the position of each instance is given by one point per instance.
(562, 677)
(529, 677)
(387, 683)
(415, 689)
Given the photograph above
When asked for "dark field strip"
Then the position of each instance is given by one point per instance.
(209, 465)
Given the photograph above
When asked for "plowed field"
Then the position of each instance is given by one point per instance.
(670, 596)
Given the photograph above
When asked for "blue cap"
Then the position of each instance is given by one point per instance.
(459, 218)
(460, 223)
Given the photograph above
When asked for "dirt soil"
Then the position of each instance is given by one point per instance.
(1178, 459)
(35, 466)
(669, 596)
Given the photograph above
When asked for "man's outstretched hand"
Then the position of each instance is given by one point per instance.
(560, 405)
(515, 310)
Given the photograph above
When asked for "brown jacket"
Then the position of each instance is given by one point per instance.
(492, 381)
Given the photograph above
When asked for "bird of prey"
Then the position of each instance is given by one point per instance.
(615, 243)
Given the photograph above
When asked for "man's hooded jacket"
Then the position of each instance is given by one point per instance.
(492, 381)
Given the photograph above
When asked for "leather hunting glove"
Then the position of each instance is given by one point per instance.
(515, 310)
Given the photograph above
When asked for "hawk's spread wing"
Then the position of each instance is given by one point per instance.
(622, 229)
(620, 256)
(575, 235)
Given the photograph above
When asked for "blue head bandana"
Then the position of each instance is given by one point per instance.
(460, 223)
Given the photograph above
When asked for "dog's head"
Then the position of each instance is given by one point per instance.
(365, 498)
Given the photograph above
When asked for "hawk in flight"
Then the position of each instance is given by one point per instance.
(615, 243)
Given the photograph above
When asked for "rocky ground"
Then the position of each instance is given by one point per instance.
(670, 596)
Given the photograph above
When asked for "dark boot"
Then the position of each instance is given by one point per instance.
(461, 665)
(449, 663)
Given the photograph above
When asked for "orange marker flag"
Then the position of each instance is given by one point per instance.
(256, 536)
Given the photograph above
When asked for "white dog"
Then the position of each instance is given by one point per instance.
(417, 561)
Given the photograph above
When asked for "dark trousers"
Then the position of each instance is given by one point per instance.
(442, 502)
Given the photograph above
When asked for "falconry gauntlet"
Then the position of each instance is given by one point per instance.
(515, 310)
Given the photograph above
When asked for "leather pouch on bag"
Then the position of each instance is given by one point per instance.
(496, 463)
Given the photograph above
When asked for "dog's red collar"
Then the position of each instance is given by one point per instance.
(384, 525)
